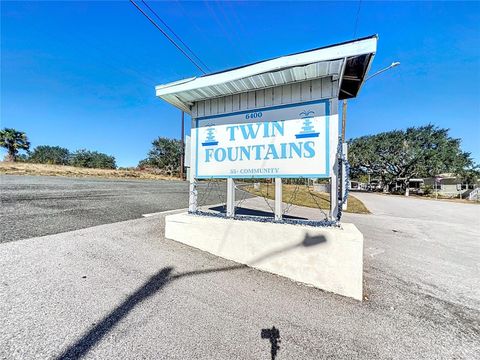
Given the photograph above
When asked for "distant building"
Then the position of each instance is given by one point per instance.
(449, 185)
(415, 186)
(357, 185)
(444, 185)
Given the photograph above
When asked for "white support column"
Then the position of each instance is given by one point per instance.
(344, 174)
(278, 199)
(230, 198)
(192, 199)
(193, 193)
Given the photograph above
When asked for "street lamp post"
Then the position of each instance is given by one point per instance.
(344, 112)
(392, 65)
(344, 121)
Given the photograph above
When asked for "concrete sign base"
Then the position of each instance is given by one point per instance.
(327, 258)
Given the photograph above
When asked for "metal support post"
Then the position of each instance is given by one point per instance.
(344, 180)
(230, 198)
(334, 191)
(278, 199)
(182, 152)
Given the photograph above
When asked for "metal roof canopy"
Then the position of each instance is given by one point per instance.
(349, 62)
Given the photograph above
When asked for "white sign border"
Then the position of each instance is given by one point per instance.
(327, 174)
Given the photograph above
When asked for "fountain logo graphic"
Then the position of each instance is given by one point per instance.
(210, 139)
(307, 129)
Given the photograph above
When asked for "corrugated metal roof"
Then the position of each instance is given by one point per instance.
(327, 61)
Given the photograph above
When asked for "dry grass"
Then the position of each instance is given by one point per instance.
(305, 196)
(13, 168)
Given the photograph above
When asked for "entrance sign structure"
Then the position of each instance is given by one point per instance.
(273, 119)
(244, 120)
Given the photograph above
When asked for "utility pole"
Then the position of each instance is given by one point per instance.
(182, 152)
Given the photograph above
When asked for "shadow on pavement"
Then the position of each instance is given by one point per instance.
(96, 334)
(254, 212)
(153, 286)
(273, 335)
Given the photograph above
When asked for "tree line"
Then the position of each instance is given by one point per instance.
(15, 141)
(393, 156)
(164, 154)
(417, 152)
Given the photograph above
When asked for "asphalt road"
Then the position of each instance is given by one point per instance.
(124, 291)
(433, 245)
(40, 205)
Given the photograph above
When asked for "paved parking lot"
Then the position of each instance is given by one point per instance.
(41, 205)
(122, 290)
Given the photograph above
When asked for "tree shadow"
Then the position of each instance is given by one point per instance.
(152, 286)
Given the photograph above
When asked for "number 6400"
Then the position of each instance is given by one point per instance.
(253, 115)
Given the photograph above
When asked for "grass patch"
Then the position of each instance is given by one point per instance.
(14, 168)
(305, 196)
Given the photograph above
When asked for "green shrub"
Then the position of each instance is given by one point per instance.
(45, 154)
(427, 190)
(92, 159)
(164, 155)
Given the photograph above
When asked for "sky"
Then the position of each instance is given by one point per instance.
(83, 74)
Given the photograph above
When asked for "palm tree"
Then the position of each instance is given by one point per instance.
(13, 141)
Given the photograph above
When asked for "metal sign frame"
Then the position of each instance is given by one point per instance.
(332, 163)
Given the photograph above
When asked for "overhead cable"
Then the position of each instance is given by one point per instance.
(168, 37)
(175, 34)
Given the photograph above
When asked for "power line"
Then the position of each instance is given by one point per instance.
(356, 20)
(168, 37)
(173, 32)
